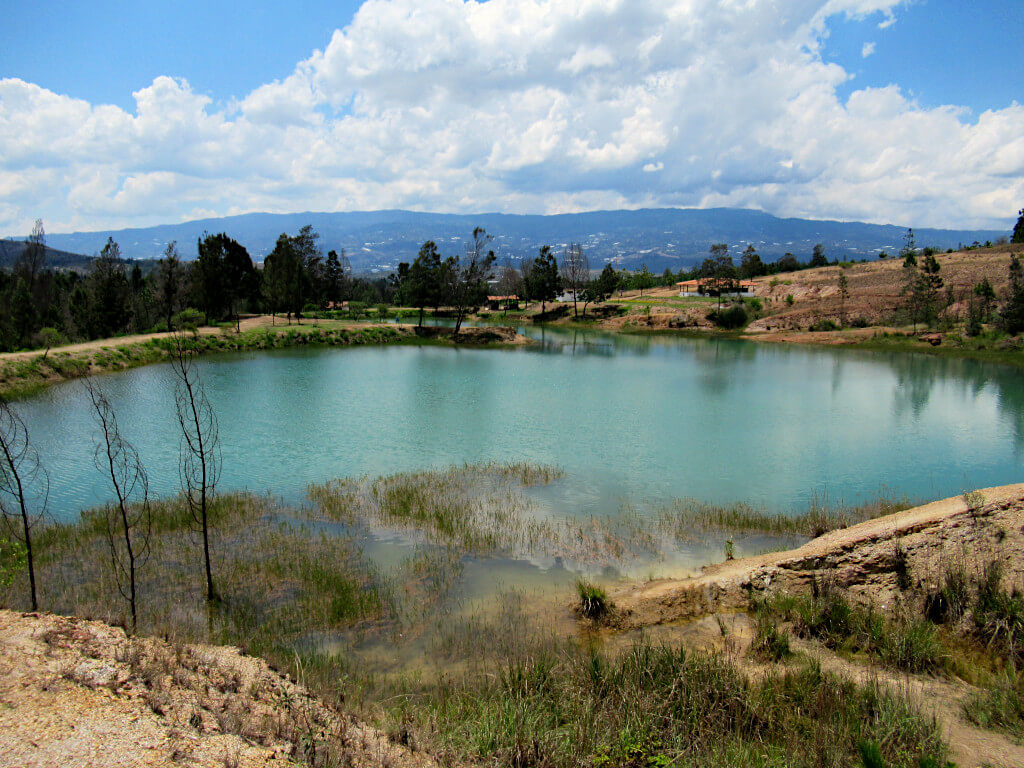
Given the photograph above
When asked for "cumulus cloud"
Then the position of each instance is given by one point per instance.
(867, 50)
(524, 106)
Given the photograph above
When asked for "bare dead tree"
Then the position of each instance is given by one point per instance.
(128, 521)
(575, 271)
(199, 458)
(23, 480)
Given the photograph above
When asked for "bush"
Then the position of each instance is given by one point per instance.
(824, 325)
(188, 319)
(789, 299)
(730, 319)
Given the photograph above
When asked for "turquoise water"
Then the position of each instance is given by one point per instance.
(636, 420)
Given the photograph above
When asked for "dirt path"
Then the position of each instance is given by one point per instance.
(970, 746)
(119, 341)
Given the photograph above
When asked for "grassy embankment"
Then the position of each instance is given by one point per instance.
(23, 374)
(497, 684)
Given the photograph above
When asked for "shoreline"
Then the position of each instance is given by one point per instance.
(23, 374)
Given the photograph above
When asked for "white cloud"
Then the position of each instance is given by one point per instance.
(524, 106)
(867, 50)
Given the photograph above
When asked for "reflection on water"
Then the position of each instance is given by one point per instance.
(637, 418)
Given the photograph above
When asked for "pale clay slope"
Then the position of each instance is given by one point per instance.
(77, 693)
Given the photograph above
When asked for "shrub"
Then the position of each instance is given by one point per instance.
(188, 319)
(824, 325)
(730, 318)
(789, 299)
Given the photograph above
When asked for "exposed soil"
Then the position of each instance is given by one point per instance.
(81, 693)
(866, 560)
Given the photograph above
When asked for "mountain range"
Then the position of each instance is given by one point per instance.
(376, 241)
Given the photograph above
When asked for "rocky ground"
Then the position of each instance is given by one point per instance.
(81, 693)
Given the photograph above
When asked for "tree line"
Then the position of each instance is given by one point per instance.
(42, 306)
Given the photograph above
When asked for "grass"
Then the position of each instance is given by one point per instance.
(902, 641)
(999, 706)
(562, 705)
(818, 519)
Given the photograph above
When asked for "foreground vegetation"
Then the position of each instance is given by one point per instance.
(499, 680)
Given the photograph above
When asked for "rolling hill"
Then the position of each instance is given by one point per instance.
(376, 241)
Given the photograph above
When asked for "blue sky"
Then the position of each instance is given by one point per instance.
(938, 51)
(104, 50)
(116, 114)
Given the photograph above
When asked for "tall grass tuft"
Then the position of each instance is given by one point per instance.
(593, 601)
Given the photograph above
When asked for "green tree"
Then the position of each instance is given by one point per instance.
(818, 258)
(986, 299)
(222, 276)
(600, 288)
(787, 263)
(751, 265)
(109, 291)
(643, 279)
(909, 250)
(289, 272)
(337, 274)
(169, 279)
(719, 271)
(543, 281)
(844, 295)
(1011, 316)
(23, 312)
(1018, 230)
(423, 286)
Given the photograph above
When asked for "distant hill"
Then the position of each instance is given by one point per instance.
(11, 250)
(376, 241)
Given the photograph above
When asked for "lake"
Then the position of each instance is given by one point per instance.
(635, 420)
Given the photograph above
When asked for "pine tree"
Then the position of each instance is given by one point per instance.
(1012, 313)
(1018, 231)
